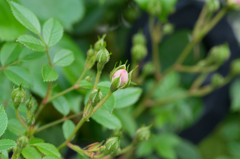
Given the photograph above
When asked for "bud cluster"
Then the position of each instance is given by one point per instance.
(139, 50)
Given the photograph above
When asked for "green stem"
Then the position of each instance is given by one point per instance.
(198, 81)
(126, 149)
(56, 122)
(81, 76)
(72, 134)
(83, 120)
(61, 93)
(97, 79)
(13, 63)
(20, 120)
(195, 69)
(185, 53)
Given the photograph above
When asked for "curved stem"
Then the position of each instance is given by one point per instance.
(56, 122)
(97, 79)
(81, 76)
(126, 149)
(20, 120)
(102, 102)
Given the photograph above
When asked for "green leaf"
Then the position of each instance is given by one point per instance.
(10, 28)
(34, 56)
(85, 84)
(3, 120)
(31, 153)
(18, 75)
(107, 120)
(67, 12)
(187, 150)
(35, 140)
(9, 53)
(26, 17)
(68, 127)
(50, 157)
(129, 124)
(62, 105)
(48, 149)
(234, 95)
(6, 144)
(15, 127)
(63, 58)
(127, 97)
(48, 73)
(75, 101)
(144, 149)
(52, 32)
(4, 154)
(31, 42)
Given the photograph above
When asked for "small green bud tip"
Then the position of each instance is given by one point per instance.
(217, 80)
(29, 103)
(100, 43)
(143, 133)
(168, 29)
(18, 96)
(220, 53)
(139, 38)
(22, 141)
(139, 52)
(154, 7)
(103, 56)
(95, 96)
(89, 78)
(112, 144)
(31, 121)
(213, 5)
(90, 52)
(235, 67)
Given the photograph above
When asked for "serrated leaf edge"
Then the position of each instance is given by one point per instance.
(9, 140)
(7, 120)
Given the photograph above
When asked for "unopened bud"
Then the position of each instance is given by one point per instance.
(139, 38)
(233, 4)
(112, 144)
(100, 43)
(235, 67)
(139, 52)
(220, 53)
(103, 56)
(95, 96)
(217, 80)
(29, 103)
(31, 121)
(168, 29)
(90, 62)
(90, 52)
(154, 7)
(148, 68)
(18, 96)
(213, 5)
(88, 78)
(143, 133)
(22, 141)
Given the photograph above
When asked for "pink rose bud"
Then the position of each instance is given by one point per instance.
(235, 1)
(124, 76)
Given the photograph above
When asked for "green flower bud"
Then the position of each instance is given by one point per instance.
(31, 121)
(139, 38)
(168, 29)
(88, 78)
(103, 56)
(16, 152)
(220, 53)
(233, 4)
(87, 112)
(18, 96)
(90, 62)
(112, 144)
(100, 43)
(29, 103)
(235, 67)
(95, 96)
(90, 52)
(148, 68)
(120, 78)
(143, 133)
(139, 52)
(217, 80)
(213, 5)
(22, 141)
(154, 7)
